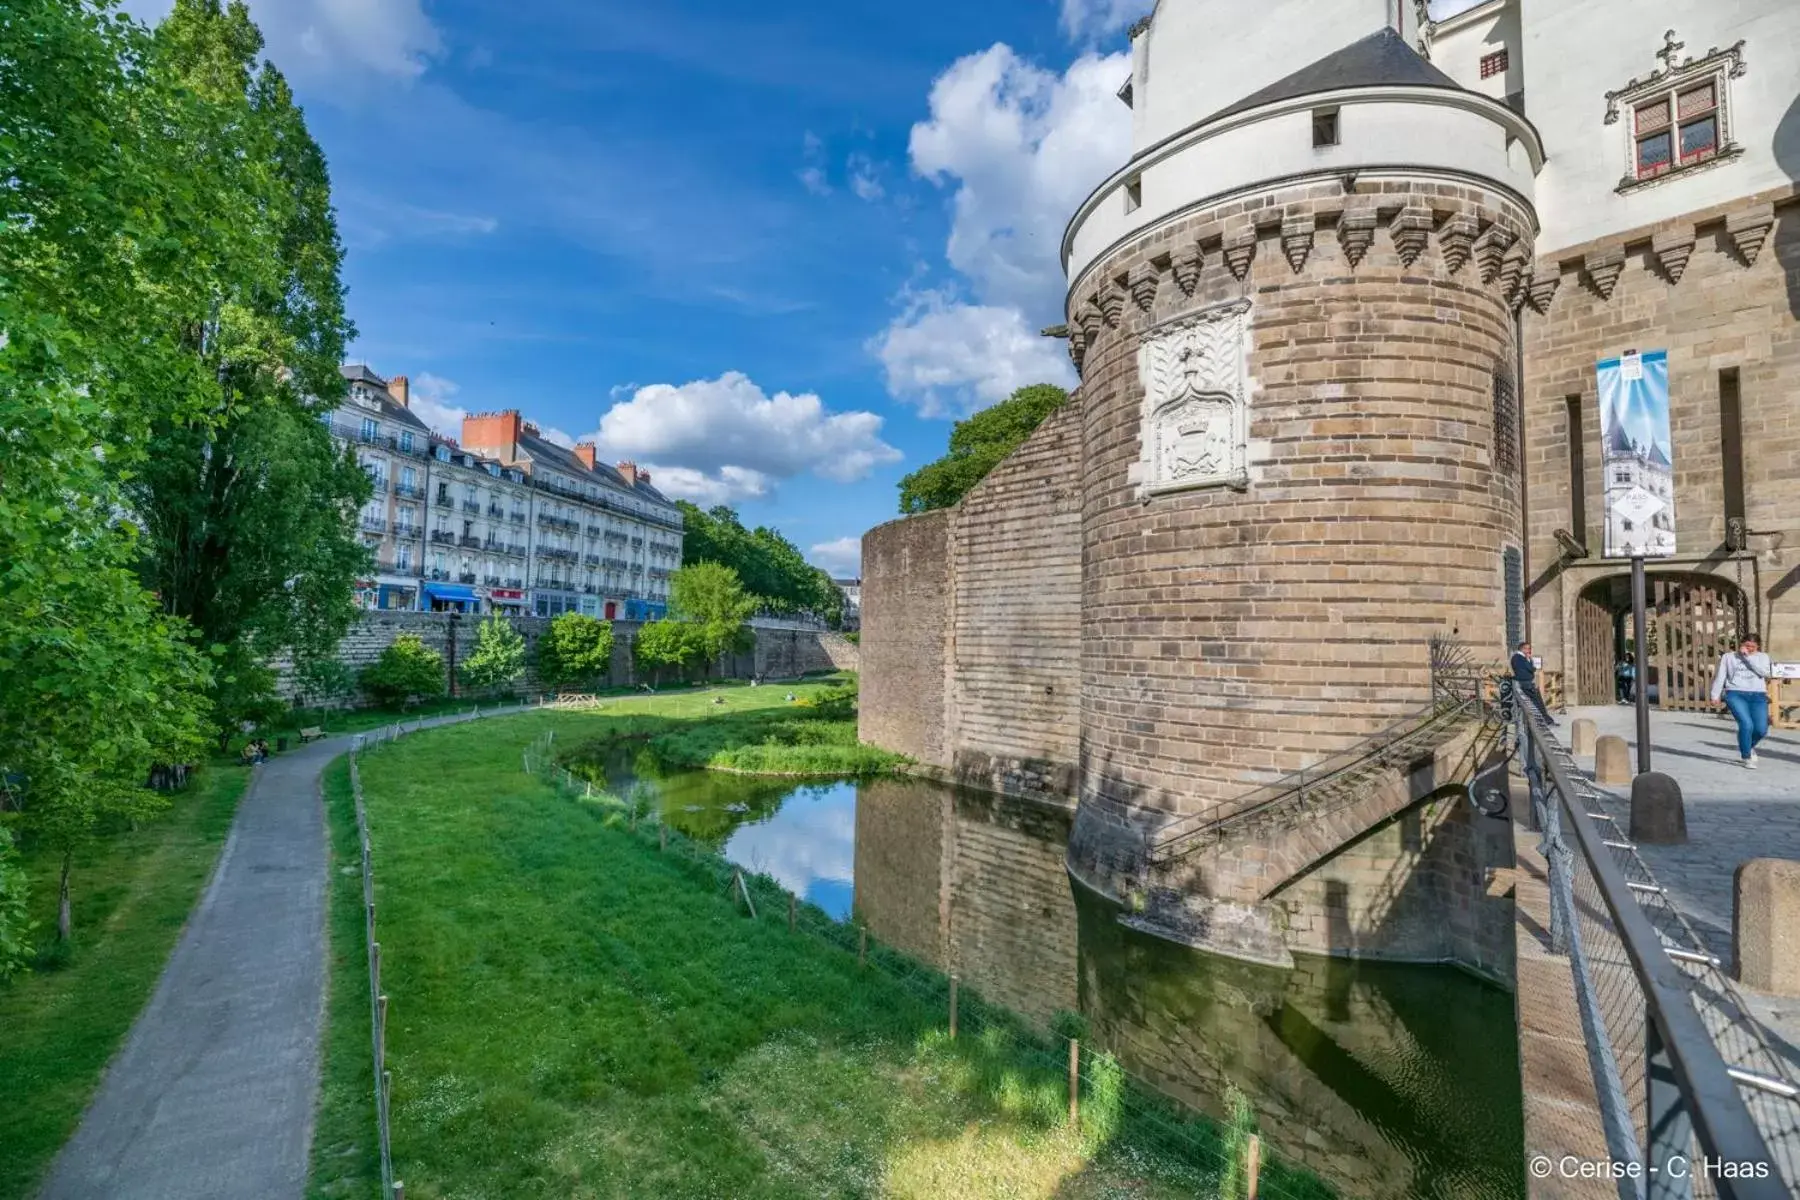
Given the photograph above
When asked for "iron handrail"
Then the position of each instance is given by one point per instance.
(1170, 841)
(1676, 1036)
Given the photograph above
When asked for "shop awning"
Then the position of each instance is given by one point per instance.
(449, 591)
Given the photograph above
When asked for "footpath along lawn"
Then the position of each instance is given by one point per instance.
(577, 1015)
(61, 1023)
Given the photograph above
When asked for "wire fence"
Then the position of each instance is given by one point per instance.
(1715, 1090)
(1057, 1075)
(361, 744)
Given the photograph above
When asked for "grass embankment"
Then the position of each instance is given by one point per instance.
(575, 1014)
(61, 1022)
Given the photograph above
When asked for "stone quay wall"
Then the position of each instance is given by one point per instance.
(778, 653)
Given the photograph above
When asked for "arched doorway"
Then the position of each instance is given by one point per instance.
(1691, 619)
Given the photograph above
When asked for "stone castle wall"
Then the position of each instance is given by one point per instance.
(778, 654)
(1718, 289)
(905, 636)
(1232, 635)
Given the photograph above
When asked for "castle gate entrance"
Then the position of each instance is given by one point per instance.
(1691, 619)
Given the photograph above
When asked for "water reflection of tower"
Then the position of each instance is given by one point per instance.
(1629, 465)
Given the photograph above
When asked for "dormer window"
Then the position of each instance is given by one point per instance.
(1679, 116)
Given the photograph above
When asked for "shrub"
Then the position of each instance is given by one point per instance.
(668, 646)
(407, 668)
(837, 703)
(15, 928)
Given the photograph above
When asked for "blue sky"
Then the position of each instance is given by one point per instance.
(770, 249)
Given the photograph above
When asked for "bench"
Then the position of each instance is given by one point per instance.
(312, 733)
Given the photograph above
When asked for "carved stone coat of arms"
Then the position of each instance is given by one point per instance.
(1194, 421)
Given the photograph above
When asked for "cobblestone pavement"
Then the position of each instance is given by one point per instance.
(1733, 814)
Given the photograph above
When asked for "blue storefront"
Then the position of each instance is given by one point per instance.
(450, 597)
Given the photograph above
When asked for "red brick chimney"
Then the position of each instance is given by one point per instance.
(497, 433)
(400, 388)
(630, 472)
(585, 452)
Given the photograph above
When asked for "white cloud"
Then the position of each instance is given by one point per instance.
(431, 403)
(865, 179)
(1023, 147)
(557, 437)
(950, 358)
(1096, 18)
(724, 439)
(813, 178)
(318, 37)
(842, 557)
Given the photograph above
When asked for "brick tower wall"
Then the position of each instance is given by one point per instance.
(1230, 637)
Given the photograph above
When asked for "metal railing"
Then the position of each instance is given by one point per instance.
(1682, 1072)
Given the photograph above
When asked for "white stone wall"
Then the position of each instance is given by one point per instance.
(1573, 54)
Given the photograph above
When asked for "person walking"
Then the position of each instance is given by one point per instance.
(1626, 674)
(1742, 686)
(1524, 673)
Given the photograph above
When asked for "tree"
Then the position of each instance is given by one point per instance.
(407, 668)
(771, 568)
(977, 445)
(668, 646)
(576, 649)
(15, 918)
(247, 505)
(106, 249)
(324, 680)
(499, 657)
(710, 597)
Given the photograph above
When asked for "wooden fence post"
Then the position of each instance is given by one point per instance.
(953, 1008)
(1252, 1165)
(381, 1033)
(1074, 1081)
(375, 966)
(399, 1190)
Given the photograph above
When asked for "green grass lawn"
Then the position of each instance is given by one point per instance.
(131, 893)
(575, 1014)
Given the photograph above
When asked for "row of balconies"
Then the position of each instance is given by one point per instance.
(559, 523)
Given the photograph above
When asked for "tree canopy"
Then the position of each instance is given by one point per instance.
(498, 660)
(977, 445)
(709, 596)
(771, 568)
(576, 649)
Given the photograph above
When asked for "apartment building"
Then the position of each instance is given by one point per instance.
(506, 520)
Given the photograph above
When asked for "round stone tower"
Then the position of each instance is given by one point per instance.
(1294, 314)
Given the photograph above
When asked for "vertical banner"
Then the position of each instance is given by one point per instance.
(1636, 455)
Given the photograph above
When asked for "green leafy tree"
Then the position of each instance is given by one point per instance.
(710, 597)
(977, 445)
(107, 248)
(247, 505)
(407, 668)
(575, 651)
(662, 647)
(771, 569)
(324, 681)
(498, 660)
(15, 919)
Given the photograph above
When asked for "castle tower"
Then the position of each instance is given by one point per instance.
(1294, 313)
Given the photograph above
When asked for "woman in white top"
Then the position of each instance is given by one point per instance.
(1742, 684)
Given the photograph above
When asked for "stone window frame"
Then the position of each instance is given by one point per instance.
(1668, 84)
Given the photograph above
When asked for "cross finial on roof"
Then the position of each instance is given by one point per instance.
(1671, 49)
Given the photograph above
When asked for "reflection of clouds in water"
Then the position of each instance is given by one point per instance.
(806, 846)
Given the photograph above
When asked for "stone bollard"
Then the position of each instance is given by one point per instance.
(1612, 760)
(1765, 925)
(1657, 818)
(1582, 733)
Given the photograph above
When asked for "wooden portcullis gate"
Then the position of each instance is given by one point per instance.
(1692, 619)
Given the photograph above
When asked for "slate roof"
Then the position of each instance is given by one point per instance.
(542, 450)
(1381, 59)
(391, 409)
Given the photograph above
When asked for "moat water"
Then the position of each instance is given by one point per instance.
(1388, 1080)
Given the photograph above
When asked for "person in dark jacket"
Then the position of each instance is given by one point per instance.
(1524, 673)
(1626, 674)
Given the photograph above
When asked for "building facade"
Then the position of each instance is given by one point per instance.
(1338, 320)
(504, 521)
